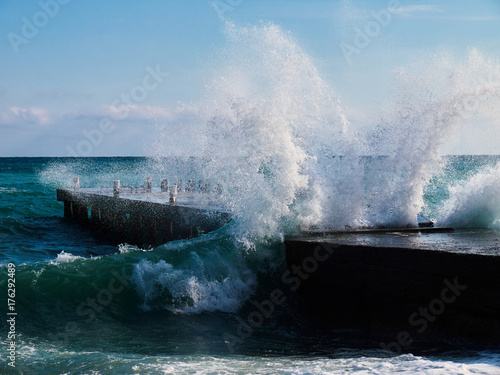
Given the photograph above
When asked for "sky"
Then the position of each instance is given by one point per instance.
(67, 65)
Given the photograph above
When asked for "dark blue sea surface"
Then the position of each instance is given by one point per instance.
(88, 305)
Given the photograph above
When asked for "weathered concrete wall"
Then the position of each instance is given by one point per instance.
(398, 293)
(140, 222)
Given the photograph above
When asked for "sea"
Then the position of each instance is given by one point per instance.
(286, 154)
(87, 305)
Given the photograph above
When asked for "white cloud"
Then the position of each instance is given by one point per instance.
(20, 116)
(411, 10)
(125, 112)
(473, 18)
(129, 113)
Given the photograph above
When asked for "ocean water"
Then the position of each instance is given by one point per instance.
(86, 305)
(276, 139)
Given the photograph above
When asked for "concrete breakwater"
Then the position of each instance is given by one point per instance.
(145, 218)
(401, 287)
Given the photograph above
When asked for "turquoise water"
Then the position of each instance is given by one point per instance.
(86, 305)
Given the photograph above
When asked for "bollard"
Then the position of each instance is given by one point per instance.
(148, 185)
(76, 183)
(116, 188)
(164, 185)
(173, 193)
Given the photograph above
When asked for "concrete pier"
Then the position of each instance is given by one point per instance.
(141, 219)
(401, 287)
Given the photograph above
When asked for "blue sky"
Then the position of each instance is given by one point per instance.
(65, 63)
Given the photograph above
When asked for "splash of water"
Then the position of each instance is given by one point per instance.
(273, 129)
(474, 203)
(276, 138)
(427, 107)
(200, 275)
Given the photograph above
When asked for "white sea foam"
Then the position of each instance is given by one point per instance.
(42, 357)
(64, 257)
(474, 203)
(8, 190)
(404, 364)
(127, 248)
(199, 285)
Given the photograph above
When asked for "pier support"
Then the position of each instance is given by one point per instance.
(94, 215)
(67, 209)
(80, 212)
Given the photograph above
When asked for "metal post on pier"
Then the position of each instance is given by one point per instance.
(173, 194)
(116, 188)
(76, 183)
(148, 185)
